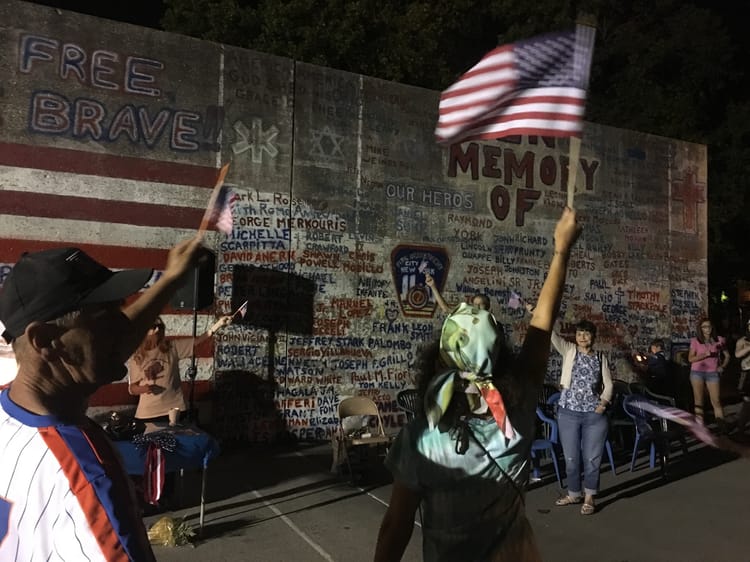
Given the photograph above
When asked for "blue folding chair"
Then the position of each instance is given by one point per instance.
(653, 432)
(548, 445)
(619, 421)
(608, 448)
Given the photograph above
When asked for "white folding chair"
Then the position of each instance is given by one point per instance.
(370, 437)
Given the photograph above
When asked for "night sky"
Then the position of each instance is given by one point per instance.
(146, 13)
(149, 12)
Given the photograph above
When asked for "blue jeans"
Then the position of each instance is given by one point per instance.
(582, 435)
(707, 376)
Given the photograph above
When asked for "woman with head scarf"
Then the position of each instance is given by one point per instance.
(467, 458)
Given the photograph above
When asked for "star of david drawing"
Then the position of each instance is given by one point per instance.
(326, 143)
(255, 139)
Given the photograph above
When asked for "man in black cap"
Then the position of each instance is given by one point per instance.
(63, 491)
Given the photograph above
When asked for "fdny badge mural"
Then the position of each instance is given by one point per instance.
(409, 265)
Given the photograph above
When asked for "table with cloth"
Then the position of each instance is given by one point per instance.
(193, 449)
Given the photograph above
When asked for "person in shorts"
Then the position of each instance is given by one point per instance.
(708, 356)
(742, 352)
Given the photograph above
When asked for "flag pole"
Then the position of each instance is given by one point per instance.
(574, 154)
(212, 200)
(192, 370)
(586, 20)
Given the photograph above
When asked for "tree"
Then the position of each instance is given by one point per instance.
(415, 42)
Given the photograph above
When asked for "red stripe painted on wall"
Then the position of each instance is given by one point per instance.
(118, 257)
(185, 311)
(114, 257)
(88, 209)
(108, 165)
(205, 349)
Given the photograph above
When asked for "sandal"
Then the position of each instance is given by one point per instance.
(588, 509)
(567, 500)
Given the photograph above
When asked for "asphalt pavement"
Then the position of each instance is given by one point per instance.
(282, 503)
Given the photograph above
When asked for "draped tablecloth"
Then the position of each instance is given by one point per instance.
(194, 449)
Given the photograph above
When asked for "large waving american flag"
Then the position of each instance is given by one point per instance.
(533, 87)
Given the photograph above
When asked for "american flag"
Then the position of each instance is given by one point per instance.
(218, 213)
(514, 300)
(241, 311)
(222, 211)
(532, 87)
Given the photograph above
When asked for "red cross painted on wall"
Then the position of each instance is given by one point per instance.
(691, 192)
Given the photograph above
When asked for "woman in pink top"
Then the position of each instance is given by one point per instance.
(708, 356)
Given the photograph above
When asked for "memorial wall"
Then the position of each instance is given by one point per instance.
(111, 137)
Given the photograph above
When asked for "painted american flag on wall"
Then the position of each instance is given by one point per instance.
(135, 209)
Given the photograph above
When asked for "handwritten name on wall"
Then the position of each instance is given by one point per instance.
(330, 363)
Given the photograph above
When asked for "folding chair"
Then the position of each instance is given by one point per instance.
(643, 390)
(637, 388)
(548, 444)
(408, 401)
(618, 419)
(547, 400)
(367, 436)
(661, 398)
(651, 432)
(548, 390)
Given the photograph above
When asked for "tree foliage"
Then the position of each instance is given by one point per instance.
(667, 67)
(416, 42)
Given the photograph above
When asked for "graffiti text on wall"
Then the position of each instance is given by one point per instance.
(107, 72)
(531, 169)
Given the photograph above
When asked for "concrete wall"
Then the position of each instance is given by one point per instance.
(110, 137)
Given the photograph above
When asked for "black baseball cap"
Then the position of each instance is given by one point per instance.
(45, 285)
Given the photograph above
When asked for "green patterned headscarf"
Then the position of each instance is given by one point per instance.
(469, 347)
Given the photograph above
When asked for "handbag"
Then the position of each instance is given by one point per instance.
(122, 428)
(598, 386)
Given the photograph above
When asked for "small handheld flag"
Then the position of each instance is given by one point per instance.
(222, 218)
(241, 311)
(218, 213)
(515, 301)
